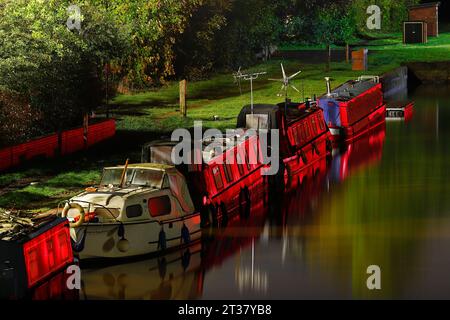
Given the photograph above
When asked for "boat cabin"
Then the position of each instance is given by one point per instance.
(137, 209)
(299, 123)
(122, 191)
(226, 161)
(351, 102)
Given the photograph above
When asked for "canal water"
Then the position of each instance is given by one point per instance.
(383, 200)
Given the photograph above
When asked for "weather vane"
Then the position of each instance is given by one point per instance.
(286, 83)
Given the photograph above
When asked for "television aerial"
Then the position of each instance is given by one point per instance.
(237, 79)
(238, 76)
(286, 82)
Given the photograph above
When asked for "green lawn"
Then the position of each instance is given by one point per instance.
(154, 113)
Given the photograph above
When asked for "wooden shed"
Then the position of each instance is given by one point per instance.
(426, 12)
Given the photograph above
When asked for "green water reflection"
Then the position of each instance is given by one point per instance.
(388, 206)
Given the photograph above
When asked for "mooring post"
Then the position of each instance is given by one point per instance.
(347, 53)
(183, 89)
(85, 129)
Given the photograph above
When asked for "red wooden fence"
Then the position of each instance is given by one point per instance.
(71, 141)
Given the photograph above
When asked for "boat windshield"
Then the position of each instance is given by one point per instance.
(133, 177)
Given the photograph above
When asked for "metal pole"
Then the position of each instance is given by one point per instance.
(251, 93)
(437, 120)
(253, 261)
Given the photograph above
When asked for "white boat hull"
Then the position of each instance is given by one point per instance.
(140, 238)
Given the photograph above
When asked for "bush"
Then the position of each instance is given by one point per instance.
(18, 121)
(56, 73)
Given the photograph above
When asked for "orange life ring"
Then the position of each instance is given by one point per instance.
(80, 209)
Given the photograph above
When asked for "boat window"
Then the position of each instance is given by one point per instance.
(134, 211)
(136, 177)
(217, 178)
(165, 184)
(161, 154)
(307, 130)
(303, 133)
(239, 164)
(296, 134)
(321, 124)
(114, 176)
(228, 172)
(148, 178)
(159, 206)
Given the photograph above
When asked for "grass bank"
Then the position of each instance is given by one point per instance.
(148, 115)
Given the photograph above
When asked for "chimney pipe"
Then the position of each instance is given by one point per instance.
(327, 79)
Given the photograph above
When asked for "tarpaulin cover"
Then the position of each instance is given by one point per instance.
(331, 112)
(180, 190)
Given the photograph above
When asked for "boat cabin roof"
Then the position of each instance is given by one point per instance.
(351, 89)
(147, 166)
(220, 145)
(295, 111)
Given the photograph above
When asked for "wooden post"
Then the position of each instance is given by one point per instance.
(347, 53)
(85, 129)
(183, 105)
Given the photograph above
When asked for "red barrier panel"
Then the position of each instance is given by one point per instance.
(71, 141)
(5, 158)
(46, 146)
(101, 131)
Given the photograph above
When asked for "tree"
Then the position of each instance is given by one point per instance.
(154, 27)
(223, 34)
(57, 71)
(334, 25)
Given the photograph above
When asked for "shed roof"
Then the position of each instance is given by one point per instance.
(424, 5)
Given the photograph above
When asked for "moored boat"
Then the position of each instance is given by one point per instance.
(353, 108)
(136, 210)
(304, 137)
(219, 187)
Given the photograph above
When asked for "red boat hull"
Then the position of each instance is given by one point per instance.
(359, 128)
(305, 158)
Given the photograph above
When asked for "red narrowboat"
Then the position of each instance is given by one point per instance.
(400, 111)
(353, 108)
(304, 137)
(226, 180)
(32, 255)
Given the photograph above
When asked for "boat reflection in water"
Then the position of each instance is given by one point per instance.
(300, 249)
(54, 288)
(177, 275)
(361, 153)
(180, 274)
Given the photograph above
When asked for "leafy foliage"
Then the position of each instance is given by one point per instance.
(393, 13)
(57, 71)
